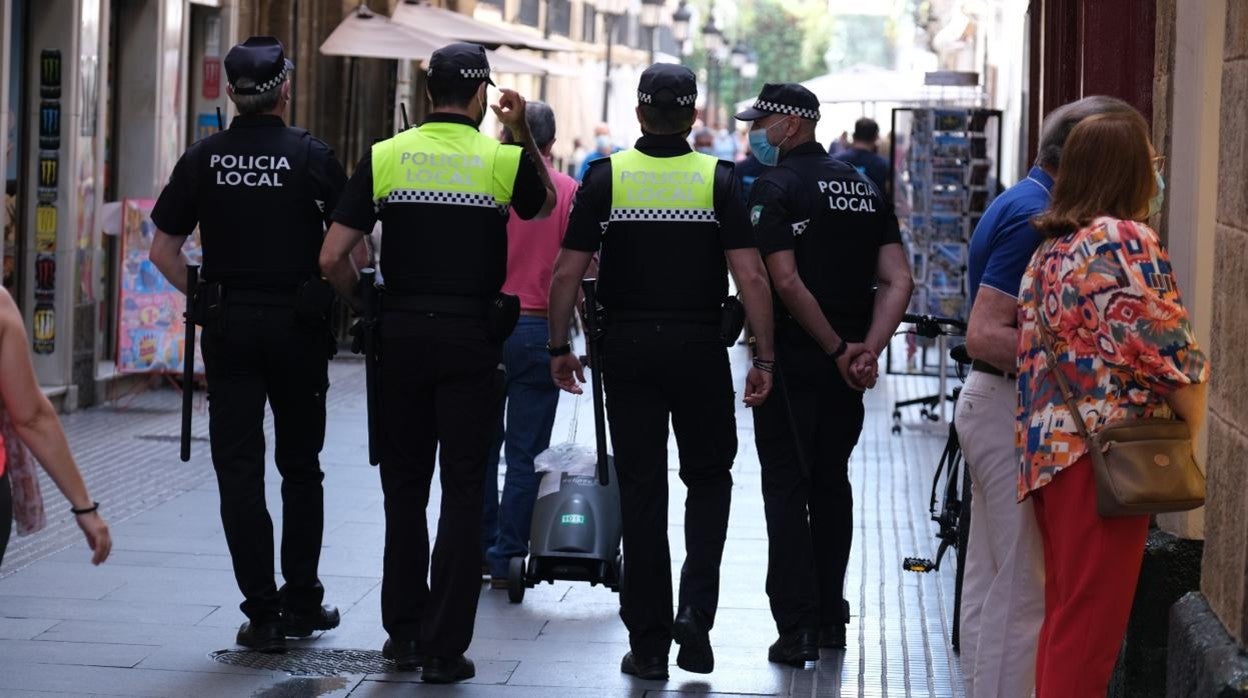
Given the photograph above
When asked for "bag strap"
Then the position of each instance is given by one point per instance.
(1050, 353)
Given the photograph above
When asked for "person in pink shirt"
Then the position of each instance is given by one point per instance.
(531, 397)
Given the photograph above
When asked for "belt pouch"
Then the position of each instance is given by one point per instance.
(314, 301)
(502, 316)
(731, 321)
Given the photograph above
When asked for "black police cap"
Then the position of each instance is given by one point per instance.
(785, 98)
(460, 61)
(667, 85)
(257, 65)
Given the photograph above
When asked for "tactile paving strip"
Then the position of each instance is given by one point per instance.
(307, 661)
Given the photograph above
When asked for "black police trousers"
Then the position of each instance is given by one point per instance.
(441, 389)
(805, 433)
(253, 354)
(652, 373)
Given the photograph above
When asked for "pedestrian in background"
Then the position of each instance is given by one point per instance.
(862, 153)
(669, 224)
(828, 237)
(530, 395)
(1101, 286)
(603, 147)
(1003, 587)
(260, 194)
(38, 427)
(441, 191)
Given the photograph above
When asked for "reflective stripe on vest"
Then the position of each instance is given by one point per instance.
(444, 163)
(679, 189)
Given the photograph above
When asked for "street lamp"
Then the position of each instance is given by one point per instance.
(713, 42)
(651, 19)
(680, 22)
(740, 54)
(611, 11)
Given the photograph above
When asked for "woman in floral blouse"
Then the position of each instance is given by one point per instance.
(1103, 285)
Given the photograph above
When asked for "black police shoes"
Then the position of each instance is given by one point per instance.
(262, 637)
(691, 631)
(795, 648)
(649, 668)
(304, 623)
(832, 636)
(405, 654)
(448, 669)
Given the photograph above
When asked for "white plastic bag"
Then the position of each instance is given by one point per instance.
(568, 457)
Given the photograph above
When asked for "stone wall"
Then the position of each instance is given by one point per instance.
(1163, 98)
(1225, 566)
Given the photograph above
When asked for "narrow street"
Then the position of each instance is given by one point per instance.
(148, 622)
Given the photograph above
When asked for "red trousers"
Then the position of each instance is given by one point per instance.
(1091, 567)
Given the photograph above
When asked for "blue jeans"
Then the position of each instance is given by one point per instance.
(530, 415)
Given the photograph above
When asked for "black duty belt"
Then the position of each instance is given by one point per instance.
(255, 296)
(985, 367)
(665, 317)
(448, 306)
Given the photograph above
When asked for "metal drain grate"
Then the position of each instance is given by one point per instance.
(307, 661)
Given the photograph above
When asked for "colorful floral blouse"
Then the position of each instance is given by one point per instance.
(1124, 341)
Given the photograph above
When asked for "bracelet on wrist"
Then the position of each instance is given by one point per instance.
(839, 350)
(764, 365)
(95, 506)
(561, 350)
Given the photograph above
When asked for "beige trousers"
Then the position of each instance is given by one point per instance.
(1003, 586)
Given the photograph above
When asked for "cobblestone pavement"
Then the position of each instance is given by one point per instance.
(148, 622)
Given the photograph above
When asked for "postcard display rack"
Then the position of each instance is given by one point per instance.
(946, 175)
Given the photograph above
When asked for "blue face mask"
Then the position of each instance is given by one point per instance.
(762, 148)
(1154, 204)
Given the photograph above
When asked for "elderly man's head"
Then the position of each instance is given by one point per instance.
(1059, 123)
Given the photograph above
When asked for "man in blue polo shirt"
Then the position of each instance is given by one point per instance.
(1003, 590)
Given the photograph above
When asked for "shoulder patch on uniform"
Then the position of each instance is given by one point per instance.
(755, 214)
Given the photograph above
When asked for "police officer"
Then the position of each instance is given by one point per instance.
(259, 193)
(827, 237)
(665, 218)
(442, 192)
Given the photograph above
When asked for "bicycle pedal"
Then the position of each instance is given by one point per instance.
(917, 564)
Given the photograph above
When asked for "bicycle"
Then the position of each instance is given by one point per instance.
(953, 516)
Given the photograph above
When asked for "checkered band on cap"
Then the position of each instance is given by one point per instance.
(683, 101)
(677, 215)
(474, 73)
(787, 109)
(448, 198)
(274, 82)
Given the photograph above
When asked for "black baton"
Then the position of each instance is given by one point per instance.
(188, 358)
(593, 346)
(368, 289)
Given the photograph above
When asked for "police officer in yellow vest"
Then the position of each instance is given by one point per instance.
(442, 192)
(666, 219)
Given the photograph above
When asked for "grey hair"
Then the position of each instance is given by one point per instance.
(262, 103)
(1058, 124)
(541, 120)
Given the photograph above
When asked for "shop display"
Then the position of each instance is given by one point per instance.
(150, 329)
(946, 171)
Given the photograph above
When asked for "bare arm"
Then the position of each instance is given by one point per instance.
(1188, 404)
(799, 301)
(892, 273)
(751, 277)
(166, 253)
(39, 428)
(336, 262)
(565, 284)
(510, 113)
(992, 331)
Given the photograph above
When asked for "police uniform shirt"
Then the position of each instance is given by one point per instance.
(440, 249)
(653, 265)
(835, 222)
(261, 194)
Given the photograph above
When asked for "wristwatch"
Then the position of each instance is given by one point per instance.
(839, 351)
(561, 350)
